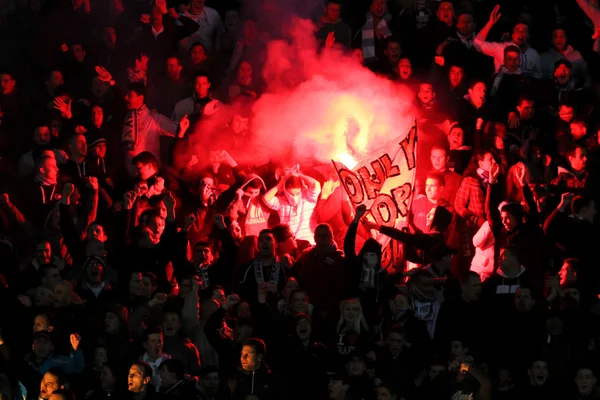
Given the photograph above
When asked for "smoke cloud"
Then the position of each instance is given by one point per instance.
(323, 104)
(318, 104)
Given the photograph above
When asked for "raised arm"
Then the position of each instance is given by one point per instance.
(481, 44)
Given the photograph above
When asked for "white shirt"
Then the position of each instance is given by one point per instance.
(209, 30)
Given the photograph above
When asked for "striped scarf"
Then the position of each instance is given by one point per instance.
(368, 35)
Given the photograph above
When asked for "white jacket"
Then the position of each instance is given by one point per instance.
(483, 261)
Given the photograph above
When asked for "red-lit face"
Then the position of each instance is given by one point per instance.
(520, 34)
(559, 39)
(455, 75)
(201, 86)
(7, 84)
(198, 55)
(333, 12)
(244, 75)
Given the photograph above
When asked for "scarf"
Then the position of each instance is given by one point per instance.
(257, 266)
(136, 121)
(466, 41)
(498, 79)
(369, 32)
(485, 179)
(202, 270)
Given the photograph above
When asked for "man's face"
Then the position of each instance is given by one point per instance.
(48, 385)
(266, 244)
(219, 296)
(154, 345)
(236, 230)
(520, 34)
(239, 125)
(455, 75)
(378, 8)
(97, 116)
(457, 350)
(198, 55)
(559, 39)
(578, 130)
(585, 381)
(201, 86)
(456, 138)
(433, 190)
(249, 359)
(99, 150)
(171, 324)
(538, 373)
(471, 289)
(567, 274)
(426, 93)
(393, 52)
(404, 68)
(303, 329)
(173, 69)
(565, 113)
(136, 382)
(78, 146)
(487, 162)
(333, 12)
(524, 300)
(61, 295)
(51, 277)
(49, 169)
(7, 84)
(203, 254)
(526, 109)
(211, 383)
(109, 37)
(78, 52)
(445, 13)
(574, 294)
(477, 93)
(196, 6)
(465, 25)
(395, 342)
(95, 272)
(356, 366)
(562, 74)
(249, 30)
(96, 231)
(512, 61)
(438, 159)
(41, 136)
(40, 323)
(55, 79)
(579, 160)
(244, 75)
(323, 237)
(509, 222)
(134, 100)
(145, 171)
(136, 284)
(43, 253)
(42, 347)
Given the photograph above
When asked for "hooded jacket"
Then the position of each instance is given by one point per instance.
(251, 214)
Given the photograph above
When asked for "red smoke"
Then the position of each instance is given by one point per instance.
(322, 104)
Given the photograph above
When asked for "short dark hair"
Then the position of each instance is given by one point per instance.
(144, 158)
(66, 393)
(468, 275)
(396, 328)
(60, 374)
(572, 149)
(175, 366)
(176, 57)
(207, 370)
(438, 176)
(525, 97)
(138, 88)
(475, 81)
(439, 146)
(155, 330)
(198, 44)
(146, 368)
(258, 345)
(44, 268)
(201, 74)
(511, 49)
